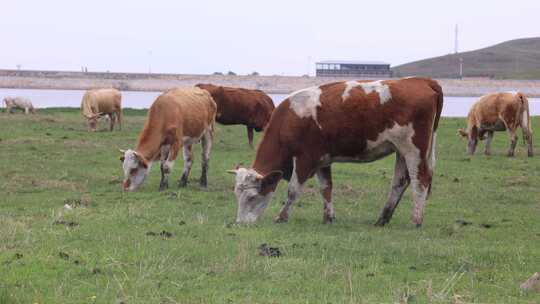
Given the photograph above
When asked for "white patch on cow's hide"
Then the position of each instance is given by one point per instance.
(349, 85)
(382, 89)
(305, 102)
(379, 87)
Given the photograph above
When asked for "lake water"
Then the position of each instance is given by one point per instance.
(453, 106)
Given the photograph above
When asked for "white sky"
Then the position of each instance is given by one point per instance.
(271, 37)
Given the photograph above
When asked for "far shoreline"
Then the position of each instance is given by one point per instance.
(59, 80)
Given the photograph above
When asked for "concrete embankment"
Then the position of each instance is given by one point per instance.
(270, 84)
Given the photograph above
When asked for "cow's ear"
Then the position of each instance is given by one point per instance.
(122, 158)
(142, 160)
(269, 181)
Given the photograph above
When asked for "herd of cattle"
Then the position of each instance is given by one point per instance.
(348, 121)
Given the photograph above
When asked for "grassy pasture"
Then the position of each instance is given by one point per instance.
(480, 239)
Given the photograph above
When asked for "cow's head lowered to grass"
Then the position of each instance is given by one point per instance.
(253, 192)
(135, 169)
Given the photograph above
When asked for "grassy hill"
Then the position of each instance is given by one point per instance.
(515, 59)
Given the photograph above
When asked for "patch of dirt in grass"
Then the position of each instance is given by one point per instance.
(520, 181)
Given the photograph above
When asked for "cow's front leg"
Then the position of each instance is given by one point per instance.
(400, 182)
(206, 143)
(188, 161)
(296, 185)
(324, 175)
(487, 151)
(165, 166)
(513, 142)
(473, 140)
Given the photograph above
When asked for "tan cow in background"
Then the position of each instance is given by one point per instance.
(100, 102)
(178, 118)
(19, 103)
(498, 112)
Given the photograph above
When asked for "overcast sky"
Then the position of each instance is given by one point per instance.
(270, 37)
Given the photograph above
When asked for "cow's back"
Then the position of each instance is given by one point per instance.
(191, 109)
(343, 117)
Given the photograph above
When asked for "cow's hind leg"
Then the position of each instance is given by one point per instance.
(420, 174)
(188, 162)
(487, 151)
(296, 185)
(527, 138)
(324, 175)
(400, 182)
(513, 141)
(206, 143)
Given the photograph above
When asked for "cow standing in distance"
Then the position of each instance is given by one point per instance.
(100, 102)
(177, 119)
(498, 112)
(252, 108)
(353, 121)
(19, 103)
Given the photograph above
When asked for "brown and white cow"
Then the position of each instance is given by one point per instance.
(498, 112)
(19, 103)
(99, 102)
(353, 121)
(178, 118)
(252, 108)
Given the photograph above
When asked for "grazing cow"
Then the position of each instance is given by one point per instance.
(252, 108)
(20, 103)
(352, 121)
(498, 112)
(178, 118)
(100, 102)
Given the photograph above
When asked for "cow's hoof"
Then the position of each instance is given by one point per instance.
(182, 182)
(203, 183)
(487, 153)
(328, 219)
(530, 154)
(419, 225)
(163, 186)
(381, 222)
(280, 220)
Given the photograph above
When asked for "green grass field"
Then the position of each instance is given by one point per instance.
(480, 239)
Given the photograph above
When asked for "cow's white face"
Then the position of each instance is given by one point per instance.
(135, 170)
(253, 193)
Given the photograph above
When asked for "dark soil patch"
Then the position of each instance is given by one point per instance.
(66, 223)
(164, 234)
(463, 222)
(264, 250)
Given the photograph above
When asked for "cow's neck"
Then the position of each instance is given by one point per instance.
(271, 155)
(149, 144)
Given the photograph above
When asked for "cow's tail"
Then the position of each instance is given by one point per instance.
(86, 108)
(433, 141)
(526, 115)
